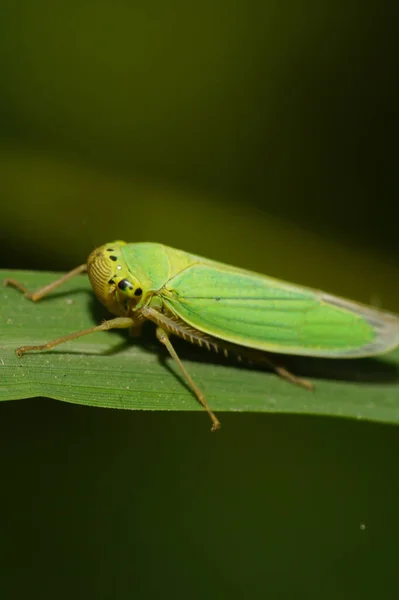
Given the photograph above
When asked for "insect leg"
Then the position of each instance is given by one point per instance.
(285, 374)
(117, 323)
(35, 296)
(163, 337)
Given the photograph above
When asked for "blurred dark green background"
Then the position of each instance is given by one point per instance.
(261, 134)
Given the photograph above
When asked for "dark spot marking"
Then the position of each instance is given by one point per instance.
(111, 281)
(138, 292)
(110, 249)
(124, 283)
(113, 257)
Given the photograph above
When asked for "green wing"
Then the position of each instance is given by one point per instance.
(267, 314)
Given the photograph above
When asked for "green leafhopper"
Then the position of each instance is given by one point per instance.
(222, 308)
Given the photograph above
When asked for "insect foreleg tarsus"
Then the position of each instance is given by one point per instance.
(47, 289)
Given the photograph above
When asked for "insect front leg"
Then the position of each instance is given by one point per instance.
(163, 337)
(47, 289)
(117, 323)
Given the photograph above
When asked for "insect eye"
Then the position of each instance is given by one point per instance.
(124, 285)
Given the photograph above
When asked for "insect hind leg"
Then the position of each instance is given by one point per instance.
(285, 374)
(163, 337)
(174, 326)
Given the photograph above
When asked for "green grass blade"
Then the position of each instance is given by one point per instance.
(110, 370)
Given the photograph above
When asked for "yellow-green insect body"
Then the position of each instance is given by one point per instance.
(235, 305)
(223, 307)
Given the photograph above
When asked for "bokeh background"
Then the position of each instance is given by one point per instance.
(260, 134)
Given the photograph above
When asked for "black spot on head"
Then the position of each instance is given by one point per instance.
(110, 249)
(111, 281)
(124, 284)
(138, 292)
(113, 257)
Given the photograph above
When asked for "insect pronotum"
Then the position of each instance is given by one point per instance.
(222, 307)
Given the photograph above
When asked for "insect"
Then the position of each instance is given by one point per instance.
(222, 308)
